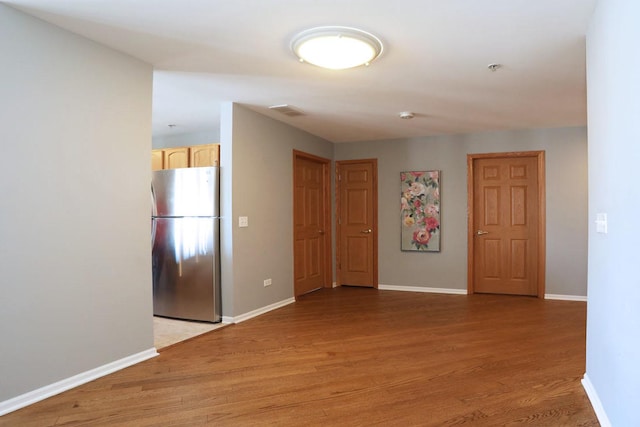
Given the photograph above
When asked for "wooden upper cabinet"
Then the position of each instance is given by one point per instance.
(157, 161)
(176, 158)
(204, 155)
(185, 157)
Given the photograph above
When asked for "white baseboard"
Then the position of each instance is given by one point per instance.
(565, 297)
(421, 289)
(595, 402)
(259, 311)
(74, 381)
(464, 292)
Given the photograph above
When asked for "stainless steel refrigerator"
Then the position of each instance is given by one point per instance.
(185, 224)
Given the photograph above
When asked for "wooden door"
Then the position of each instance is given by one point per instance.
(204, 155)
(312, 223)
(156, 160)
(174, 158)
(357, 250)
(506, 223)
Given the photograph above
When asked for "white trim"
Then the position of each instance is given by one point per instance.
(421, 289)
(227, 320)
(263, 310)
(42, 393)
(464, 292)
(565, 297)
(595, 402)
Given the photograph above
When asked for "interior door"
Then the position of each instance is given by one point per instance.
(357, 250)
(506, 226)
(312, 224)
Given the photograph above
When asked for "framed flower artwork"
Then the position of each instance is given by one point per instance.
(420, 211)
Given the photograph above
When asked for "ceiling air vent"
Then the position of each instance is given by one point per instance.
(287, 110)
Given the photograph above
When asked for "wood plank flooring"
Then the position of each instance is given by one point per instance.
(354, 357)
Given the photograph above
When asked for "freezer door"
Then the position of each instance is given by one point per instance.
(186, 192)
(186, 269)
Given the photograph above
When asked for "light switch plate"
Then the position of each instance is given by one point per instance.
(601, 223)
(243, 221)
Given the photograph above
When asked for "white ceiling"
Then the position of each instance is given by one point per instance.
(434, 63)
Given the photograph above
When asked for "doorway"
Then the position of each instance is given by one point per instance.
(312, 223)
(357, 222)
(506, 223)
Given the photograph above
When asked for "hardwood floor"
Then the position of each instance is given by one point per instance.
(354, 357)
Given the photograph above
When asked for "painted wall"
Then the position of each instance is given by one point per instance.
(185, 139)
(257, 153)
(566, 173)
(613, 314)
(74, 228)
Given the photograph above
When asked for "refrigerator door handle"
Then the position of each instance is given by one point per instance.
(154, 207)
(153, 232)
(154, 212)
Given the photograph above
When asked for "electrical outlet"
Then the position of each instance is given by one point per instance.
(267, 282)
(243, 221)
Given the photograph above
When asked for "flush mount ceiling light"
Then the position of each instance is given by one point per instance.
(336, 48)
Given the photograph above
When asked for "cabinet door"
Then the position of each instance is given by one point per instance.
(176, 158)
(204, 155)
(156, 160)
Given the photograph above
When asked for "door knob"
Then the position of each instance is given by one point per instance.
(367, 231)
(320, 231)
(481, 232)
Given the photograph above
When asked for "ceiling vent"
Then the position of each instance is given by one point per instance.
(287, 110)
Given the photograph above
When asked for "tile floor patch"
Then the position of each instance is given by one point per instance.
(170, 331)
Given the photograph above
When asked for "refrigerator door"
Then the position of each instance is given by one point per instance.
(186, 192)
(186, 269)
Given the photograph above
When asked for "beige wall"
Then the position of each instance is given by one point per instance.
(566, 172)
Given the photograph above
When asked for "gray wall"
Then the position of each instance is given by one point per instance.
(74, 227)
(185, 139)
(566, 173)
(257, 154)
(75, 259)
(613, 313)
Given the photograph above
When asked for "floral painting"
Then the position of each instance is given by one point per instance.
(420, 211)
